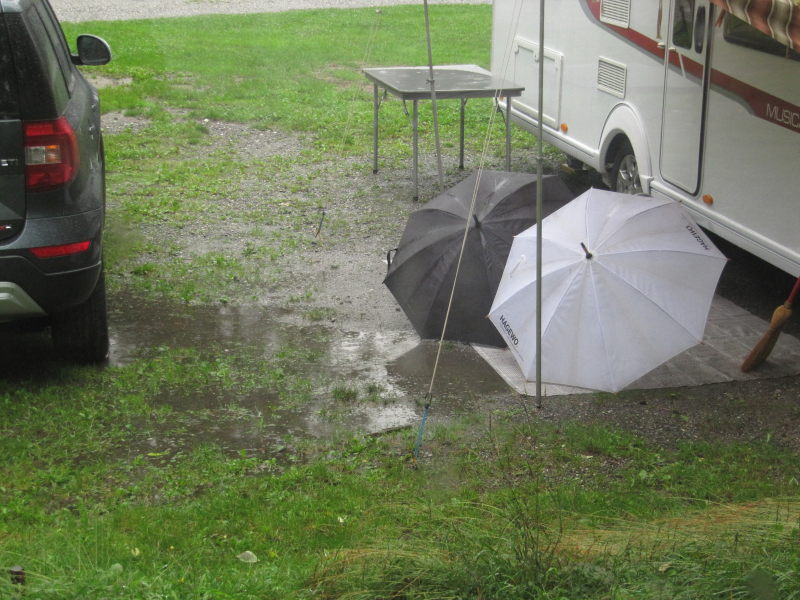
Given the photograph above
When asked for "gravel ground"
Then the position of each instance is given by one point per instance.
(345, 266)
(111, 10)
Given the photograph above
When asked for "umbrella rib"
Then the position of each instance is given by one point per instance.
(599, 243)
(567, 288)
(610, 372)
(650, 300)
(656, 251)
(438, 209)
(423, 243)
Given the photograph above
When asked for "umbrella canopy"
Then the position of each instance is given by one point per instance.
(422, 272)
(627, 283)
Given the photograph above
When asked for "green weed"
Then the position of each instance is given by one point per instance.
(344, 394)
(317, 314)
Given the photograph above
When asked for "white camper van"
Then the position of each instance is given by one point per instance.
(674, 98)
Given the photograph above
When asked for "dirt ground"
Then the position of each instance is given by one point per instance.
(343, 266)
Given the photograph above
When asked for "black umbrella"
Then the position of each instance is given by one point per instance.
(422, 271)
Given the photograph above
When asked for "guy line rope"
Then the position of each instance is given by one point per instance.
(506, 61)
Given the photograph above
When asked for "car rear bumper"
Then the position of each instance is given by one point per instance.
(51, 292)
(15, 303)
(51, 284)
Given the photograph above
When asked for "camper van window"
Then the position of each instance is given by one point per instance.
(682, 23)
(741, 33)
(699, 29)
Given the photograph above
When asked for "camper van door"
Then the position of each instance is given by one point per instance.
(685, 88)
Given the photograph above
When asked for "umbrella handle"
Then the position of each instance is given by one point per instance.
(389, 259)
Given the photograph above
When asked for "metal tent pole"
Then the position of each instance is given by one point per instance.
(433, 97)
(431, 80)
(539, 191)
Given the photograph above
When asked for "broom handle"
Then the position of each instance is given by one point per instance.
(764, 346)
(795, 290)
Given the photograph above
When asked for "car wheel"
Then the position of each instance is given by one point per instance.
(625, 171)
(80, 334)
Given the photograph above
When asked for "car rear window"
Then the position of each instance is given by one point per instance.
(58, 41)
(9, 104)
(43, 91)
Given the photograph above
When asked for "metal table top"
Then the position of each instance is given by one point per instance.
(451, 81)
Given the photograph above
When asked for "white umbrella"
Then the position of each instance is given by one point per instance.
(627, 283)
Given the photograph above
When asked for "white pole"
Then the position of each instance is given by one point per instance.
(539, 191)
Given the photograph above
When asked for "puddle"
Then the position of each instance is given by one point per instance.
(395, 366)
(137, 326)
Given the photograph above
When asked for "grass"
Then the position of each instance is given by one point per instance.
(245, 68)
(116, 483)
(527, 513)
(285, 71)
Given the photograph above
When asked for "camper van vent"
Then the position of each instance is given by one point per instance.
(611, 77)
(615, 12)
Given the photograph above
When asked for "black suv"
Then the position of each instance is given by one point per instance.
(52, 181)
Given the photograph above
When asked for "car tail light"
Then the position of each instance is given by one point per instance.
(61, 250)
(51, 154)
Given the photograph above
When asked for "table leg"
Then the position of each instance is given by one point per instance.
(414, 147)
(375, 106)
(461, 138)
(508, 133)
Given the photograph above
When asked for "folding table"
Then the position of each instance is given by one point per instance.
(450, 82)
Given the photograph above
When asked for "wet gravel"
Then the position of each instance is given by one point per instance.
(344, 268)
(110, 10)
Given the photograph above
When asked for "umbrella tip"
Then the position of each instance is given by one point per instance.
(589, 255)
(475, 218)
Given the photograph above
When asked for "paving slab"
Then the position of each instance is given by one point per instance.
(731, 332)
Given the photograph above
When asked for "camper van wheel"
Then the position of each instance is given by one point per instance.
(625, 171)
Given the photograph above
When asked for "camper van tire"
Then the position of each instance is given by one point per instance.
(624, 175)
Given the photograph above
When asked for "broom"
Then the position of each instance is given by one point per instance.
(761, 350)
